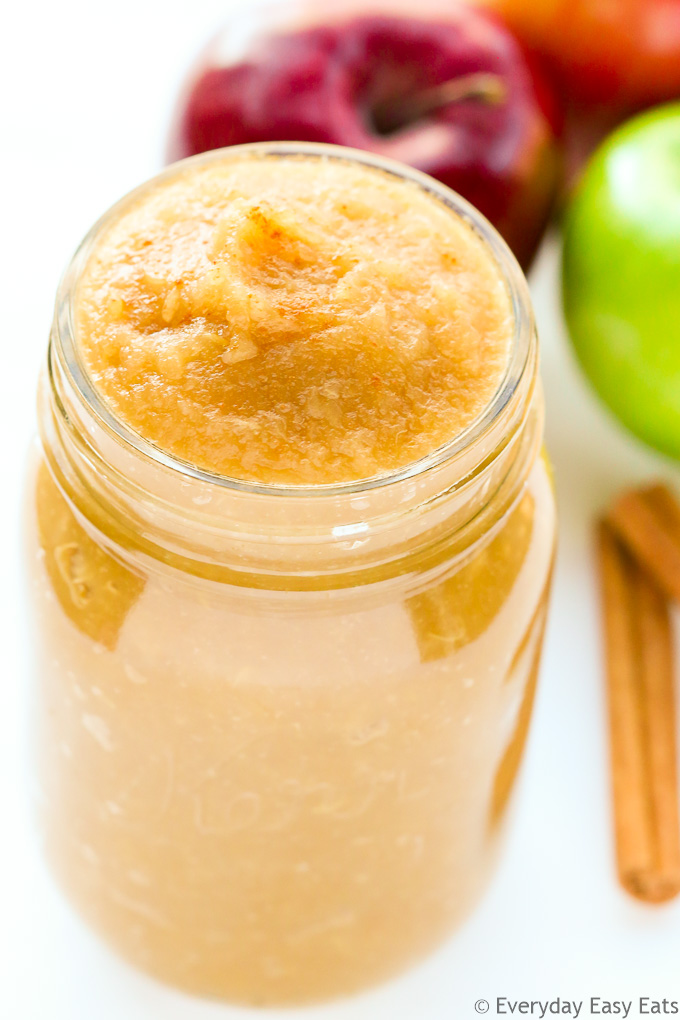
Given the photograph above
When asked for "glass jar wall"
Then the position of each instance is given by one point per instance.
(278, 727)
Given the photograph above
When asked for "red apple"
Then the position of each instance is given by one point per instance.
(436, 84)
(608, 55)
(607, 58)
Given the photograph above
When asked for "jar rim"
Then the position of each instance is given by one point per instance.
(520, 354)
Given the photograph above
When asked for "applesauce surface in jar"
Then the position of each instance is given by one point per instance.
(290, 539)
(316, 321)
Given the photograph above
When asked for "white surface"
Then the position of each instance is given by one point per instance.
(86, 90)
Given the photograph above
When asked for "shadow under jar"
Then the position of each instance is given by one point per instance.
(278, 726)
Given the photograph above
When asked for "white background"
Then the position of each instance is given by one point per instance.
(86, 91)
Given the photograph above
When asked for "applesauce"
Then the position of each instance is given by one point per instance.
(315, 325)
(288, 619)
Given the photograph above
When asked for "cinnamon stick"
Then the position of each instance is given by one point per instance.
(639, 657)
(648, 521)
(660, 721)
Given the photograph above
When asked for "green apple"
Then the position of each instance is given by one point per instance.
(621, 275)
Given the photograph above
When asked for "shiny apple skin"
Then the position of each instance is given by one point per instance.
(605, 60)
(608, 58)
(292, 76)
(621, 275)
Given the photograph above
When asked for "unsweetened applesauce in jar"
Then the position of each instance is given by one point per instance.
(290, 541)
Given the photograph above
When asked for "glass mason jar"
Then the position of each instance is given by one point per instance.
(278, 727)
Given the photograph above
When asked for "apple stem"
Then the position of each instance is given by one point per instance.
(396, 114)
